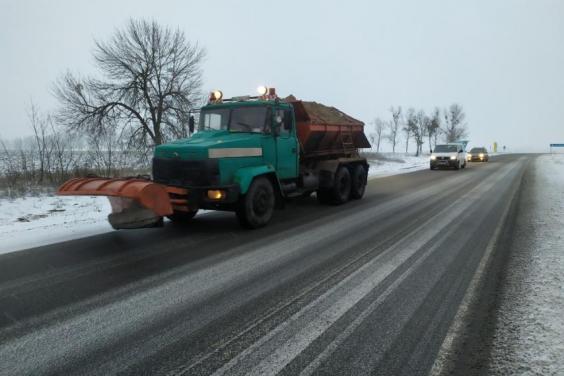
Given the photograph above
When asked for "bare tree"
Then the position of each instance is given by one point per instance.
(151, 81)
(454, 128)
(40, 126)
(65, 153)
(433, 126)
(394, 127)
(407, 131)
(376, 137)
(410, 127)
(9, 171)
(413, 122)
(420, 130)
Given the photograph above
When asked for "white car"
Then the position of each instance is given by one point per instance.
(448, 155)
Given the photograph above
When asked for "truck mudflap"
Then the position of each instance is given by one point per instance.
(135, 202)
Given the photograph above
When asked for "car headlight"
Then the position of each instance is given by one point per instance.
(469, 155)
(433, 157)
(481, 155)
(452, 157)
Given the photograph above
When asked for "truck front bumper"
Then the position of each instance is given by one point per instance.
(213, 197)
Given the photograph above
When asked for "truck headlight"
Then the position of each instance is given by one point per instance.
(216, 194)
(452, 157)
(481, 155)
(433, 157)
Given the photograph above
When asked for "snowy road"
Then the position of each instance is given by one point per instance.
(372, 287)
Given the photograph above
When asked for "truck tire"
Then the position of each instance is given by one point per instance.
(256, 207)
(358, 185)
(182, 216)
(342, 187)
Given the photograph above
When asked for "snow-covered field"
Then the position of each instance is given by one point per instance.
(529, 339)
(386, 164)
(33, 221)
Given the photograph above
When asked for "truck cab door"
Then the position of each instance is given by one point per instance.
(286, 144)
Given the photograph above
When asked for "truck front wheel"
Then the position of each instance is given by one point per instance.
(256, 207)
(358, 182)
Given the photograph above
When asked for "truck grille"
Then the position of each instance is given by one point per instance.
(182, 173)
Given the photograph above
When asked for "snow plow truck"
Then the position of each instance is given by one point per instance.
(249, 155)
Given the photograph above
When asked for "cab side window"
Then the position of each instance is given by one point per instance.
(286, 125)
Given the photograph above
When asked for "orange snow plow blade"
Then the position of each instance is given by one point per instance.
(135, 202)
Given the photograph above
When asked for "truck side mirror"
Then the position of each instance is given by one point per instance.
(277, 124)
(191, 122)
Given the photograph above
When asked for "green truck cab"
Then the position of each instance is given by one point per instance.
(249, 155)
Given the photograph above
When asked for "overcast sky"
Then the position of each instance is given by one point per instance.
(502, 60)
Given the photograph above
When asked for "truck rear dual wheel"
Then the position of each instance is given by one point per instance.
(342, 188)
(256, 207)
(340, 192)
(358, 186)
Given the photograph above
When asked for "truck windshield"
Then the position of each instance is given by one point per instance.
(241, 119)
(446, 149)
(214, 119)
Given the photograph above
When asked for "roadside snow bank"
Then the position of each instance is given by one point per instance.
(529, 338)
(34, 221)
(387, 164)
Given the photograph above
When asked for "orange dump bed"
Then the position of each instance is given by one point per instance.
(324, 130)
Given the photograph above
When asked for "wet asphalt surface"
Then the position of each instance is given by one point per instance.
(370, 287)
